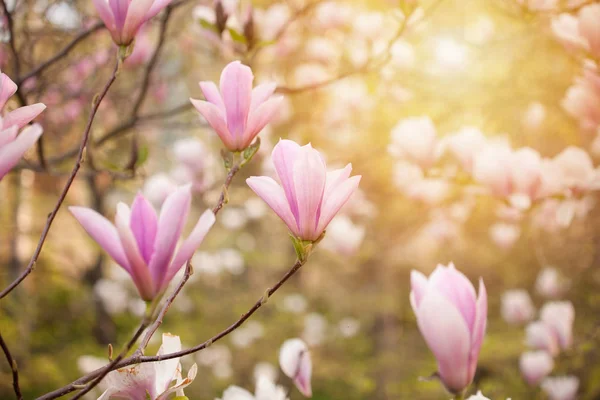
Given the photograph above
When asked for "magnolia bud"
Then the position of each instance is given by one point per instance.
(295, 362)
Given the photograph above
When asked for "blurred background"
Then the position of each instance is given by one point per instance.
(351, 72)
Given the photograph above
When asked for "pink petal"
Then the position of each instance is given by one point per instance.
(143, 225)
(23, 115)
(216, 119)
(236, 91)
(336, 178)
(134, 383)
(260, 94)
(105, 14)
(138, 267)
(136, 16)
(119, 12)
(284, 156)
(335, 200)
(268, 190)
(7, 89)
(418, 287)
(11, 153)
(173, 214)
(309, 181)
(212, 95)
(448, 338)
(260, 118)
(166, 370)
(479, 327)
(191, 243)
(457, 288)
(157, 7)
(302, 378)
(8, 135)
(103, 232)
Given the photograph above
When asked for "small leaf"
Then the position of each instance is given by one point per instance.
(142, 155)
(208, 25)
(303, 248)
(250, 151)
(236, 36)
(227, 157)
(181, 398)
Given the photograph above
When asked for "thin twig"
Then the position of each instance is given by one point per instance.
(12, 45)
(13, 366)
(138, 358)
(65, 190)
(62, 53)
(225, 190)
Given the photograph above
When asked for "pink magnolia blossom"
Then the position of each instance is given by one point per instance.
(452, 320)
(465, 144)
(237, 112)
(582, 99)
(415, 139)
(561, 387)
(295, 362)
(266, 389)
(143, 243)
(549, 283)
(12, 144)
(150, 381)
(124, 18)
(580, 32)
(535, 366)
(574, 170)
(540, 336)
(309, 196)
(517, 306)
(559, 317)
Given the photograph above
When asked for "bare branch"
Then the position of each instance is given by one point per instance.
(13, 366)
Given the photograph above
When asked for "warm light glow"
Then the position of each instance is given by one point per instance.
(450, 54)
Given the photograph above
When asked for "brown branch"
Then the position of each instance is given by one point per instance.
(138, 358)
(62, 53)
(225, 190)
(12, 45)
(65, 190)
(13, 366)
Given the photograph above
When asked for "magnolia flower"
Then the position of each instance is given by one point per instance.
(237, 113)
(540, 336)
(416, 140)
(150, 381)
(582, 99)
(124, 18)
(535, 366)
(12, 144)
(265, 390)
(295, 362)
(559, 316)
(505, 235)
(465, 144)
(478, 396)
(549, 283)
(309, 196)
(144, 244)
(452, 320)
(517, 306)
(344, 236)
(580, 32)
(574, 169)
(561, 387)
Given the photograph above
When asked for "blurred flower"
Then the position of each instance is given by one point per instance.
(415, 139)
(233, 218)
(308, 74)
(310, 196)
(452, 320)
(315, 329)
(465, 144)
(144, 244)
(517, 306)
(343, 236)
(272, 20)
(574, 169)
(534, 116)
(549, 284)
(218, 357)
(232, 260)
(349, 327)
(266, 370)
(295, 303)
(158, 187)
(150, 380)
(505, 235)
(580, 32)
(124, 19)
(63, 15)
(142, 50)
(238, 113)
(478, 396)
(535, 366)
(87, 364)
(559, 316)
(247, 334)
(13, 146)
(539, 5)
(295, 362)
(540, 336)
(265, 390)
(255, 208)
(113, 296)
(561, 387)
(582, 99)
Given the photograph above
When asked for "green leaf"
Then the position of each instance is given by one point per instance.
(181, 398)
(250, 151)
(236, 36)
(208, 25)
(142, 155)
(227, 157)
(303, 248)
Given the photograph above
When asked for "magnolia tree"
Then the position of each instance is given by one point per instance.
(88, 138)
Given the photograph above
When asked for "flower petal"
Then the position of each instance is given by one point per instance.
(309, 181)
(216, 119)
(105, 14)
(191, 243)
(143, 225)
(11, 153)
(479, 327)
(418, 287)
(284, 156)
(103, 232)
(212, 95)
(157, 7)
(260, 94)
(445, 331)
(136, 16)
(236, 91)
(138, 267)
(7, 89)
(335, 200)
(8, 135)
(166, 370)
(23, 115)
(268, 190)
(131, 382)
(173, 214)
(260, 118)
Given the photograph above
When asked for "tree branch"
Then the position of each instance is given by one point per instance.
(13, 366)
(65, 190)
